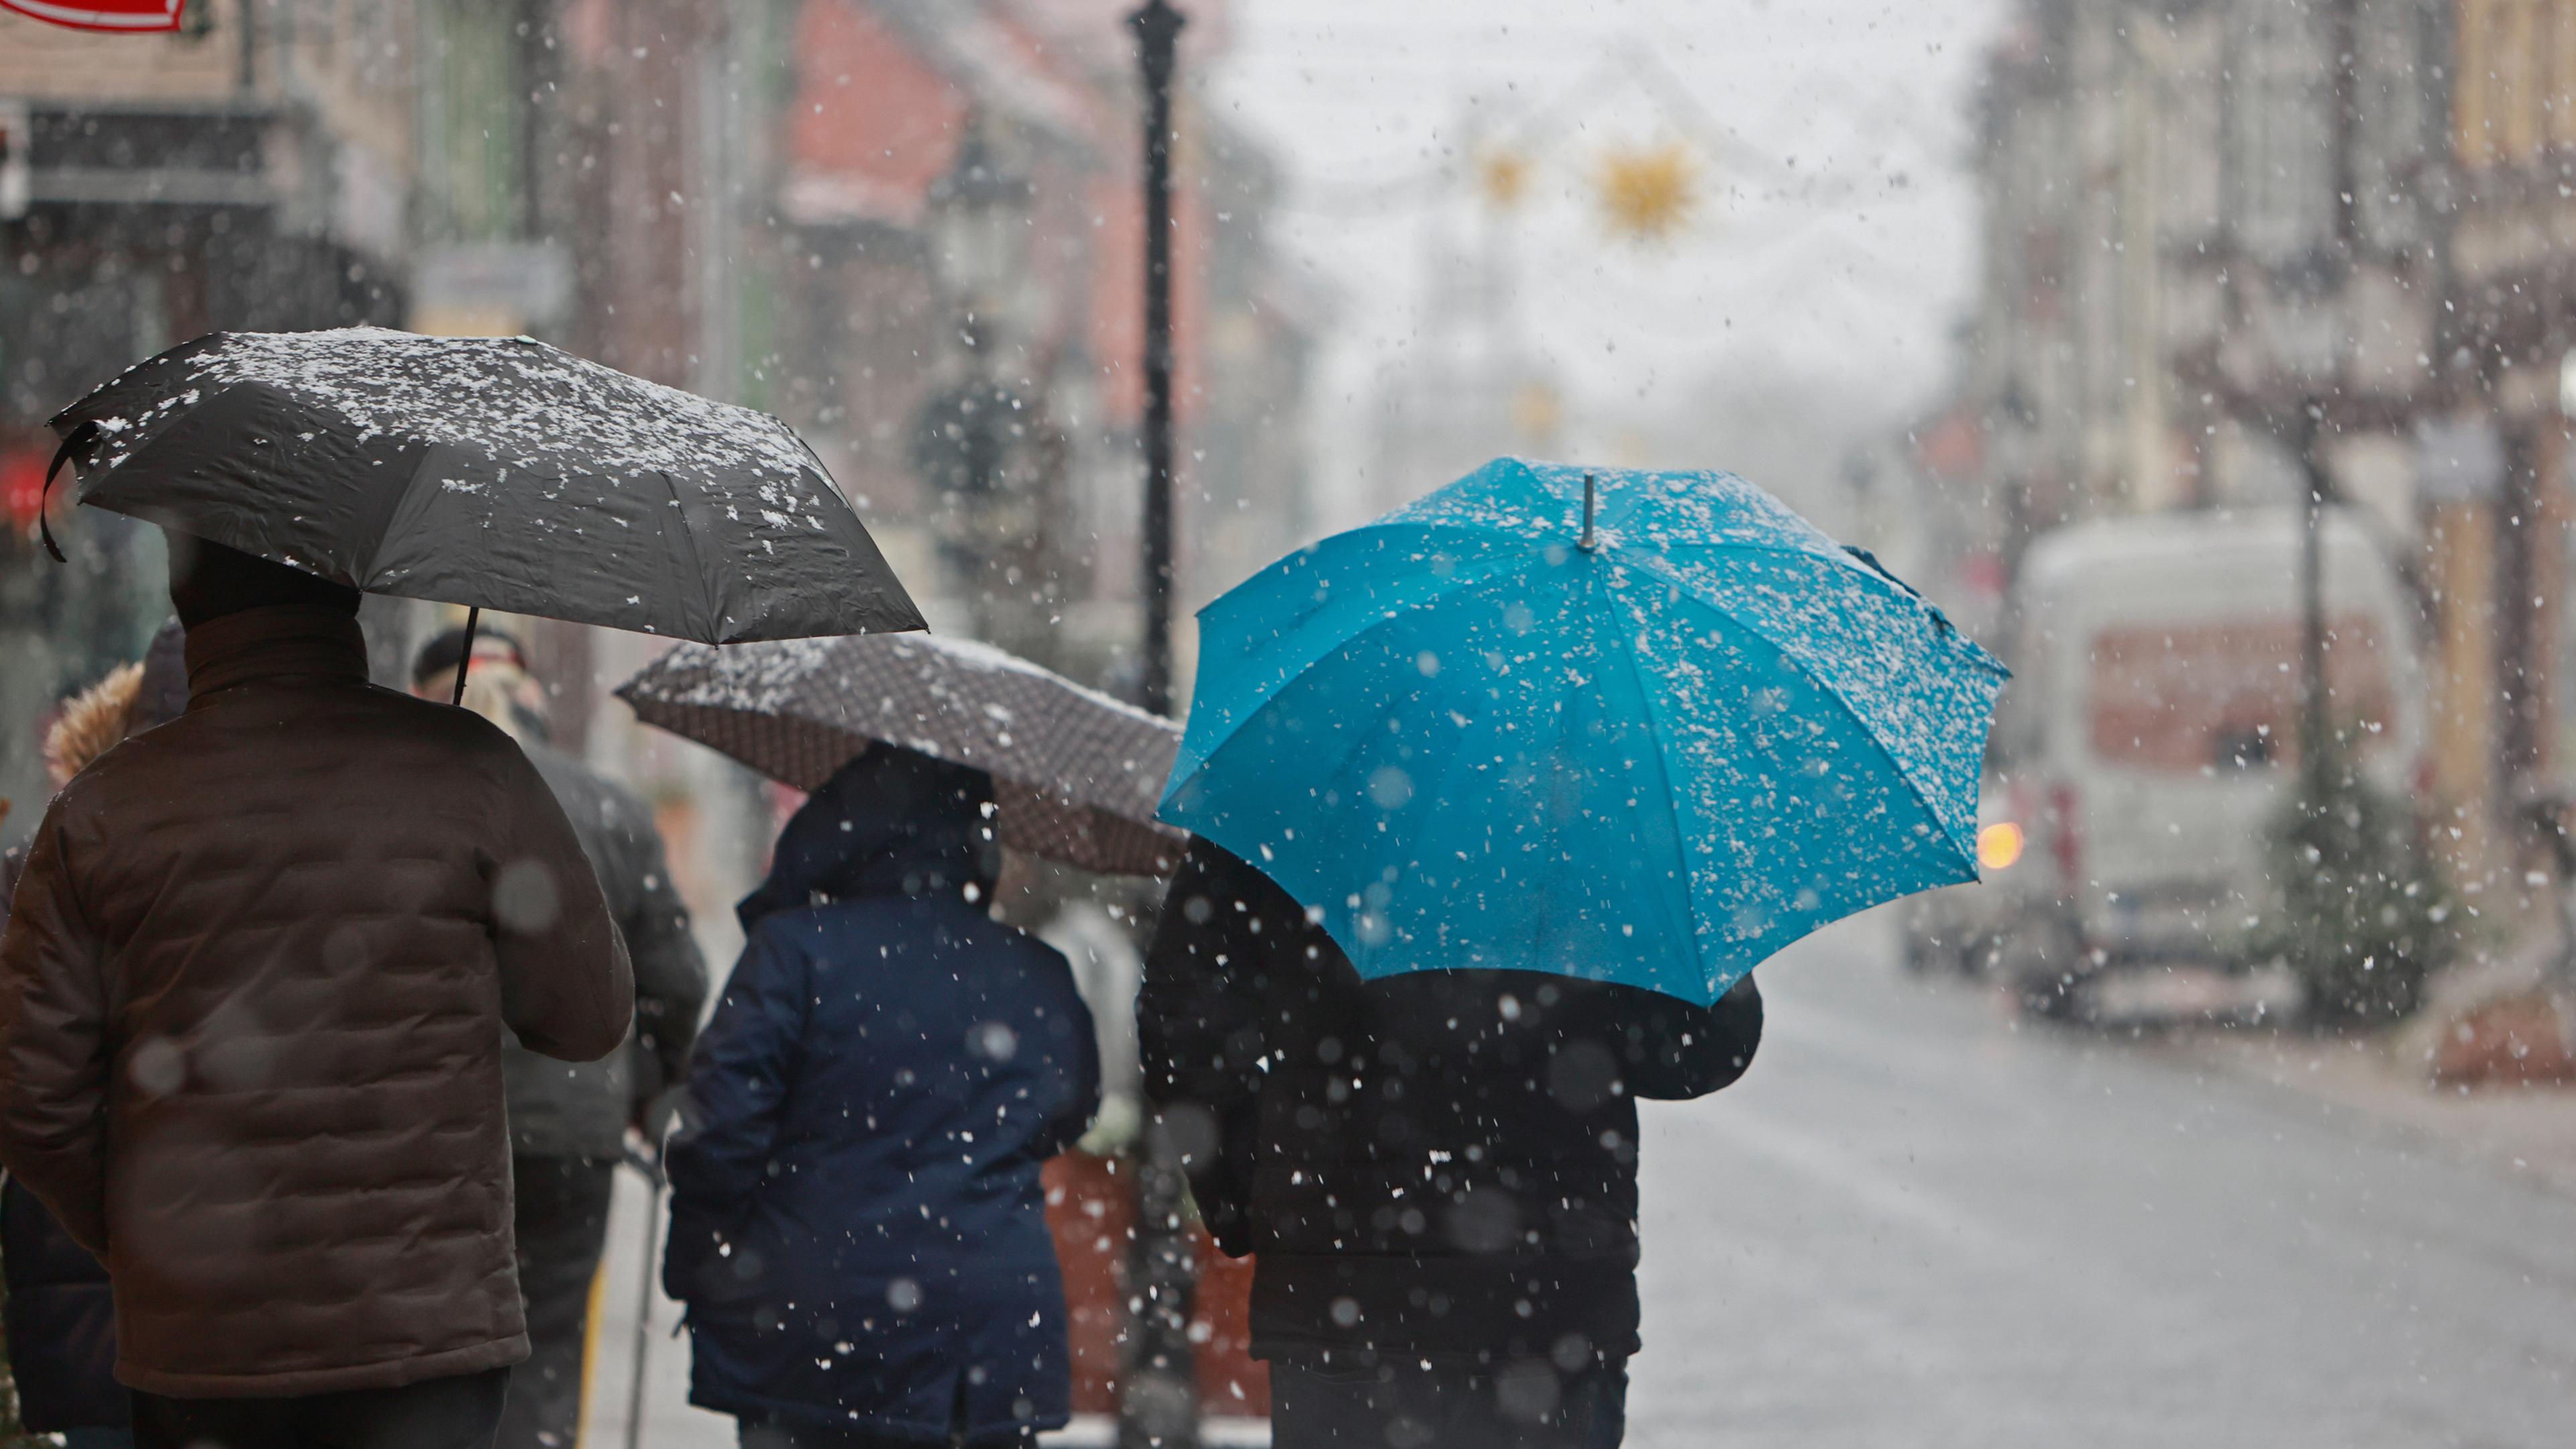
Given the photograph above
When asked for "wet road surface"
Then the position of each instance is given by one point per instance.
(1916, 1222)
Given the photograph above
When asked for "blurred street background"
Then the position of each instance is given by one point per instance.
(2212, 361)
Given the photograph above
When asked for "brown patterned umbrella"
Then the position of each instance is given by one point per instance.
(1075, 773)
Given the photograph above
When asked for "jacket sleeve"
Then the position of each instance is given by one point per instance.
(566, 987)
(1199, 1037)
(739, 1080)
(670, 975)
(1677, 1050)
(53, 1042)
(1079, 1066)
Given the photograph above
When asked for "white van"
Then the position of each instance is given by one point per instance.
(2150, 735)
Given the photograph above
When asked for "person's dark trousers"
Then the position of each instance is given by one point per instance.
(451, 1413)
(1453, 1403)
(561, 1221)
(773, 1434)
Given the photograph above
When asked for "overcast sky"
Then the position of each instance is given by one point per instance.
(1834, 241)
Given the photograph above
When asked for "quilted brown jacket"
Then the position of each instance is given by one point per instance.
(251, 999)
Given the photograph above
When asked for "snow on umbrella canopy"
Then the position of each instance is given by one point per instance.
(1075, 773)
(496, 472)
(1488, 730)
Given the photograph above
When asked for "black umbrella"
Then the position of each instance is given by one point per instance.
(494, 472)
(1075, 773)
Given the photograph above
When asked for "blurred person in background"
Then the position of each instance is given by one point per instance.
(61, 1313)
(857, 1224)
(1436, 1172)
(1105, 963)
(568, 1120)
(252, 993)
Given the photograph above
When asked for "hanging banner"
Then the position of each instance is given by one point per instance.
(109, 15)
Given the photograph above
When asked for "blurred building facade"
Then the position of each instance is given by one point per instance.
(1470, 383)
(2232, 245)
(961, 231)
(911, 227)
(245, 172)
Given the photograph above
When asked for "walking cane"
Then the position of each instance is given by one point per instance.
(651, 1167)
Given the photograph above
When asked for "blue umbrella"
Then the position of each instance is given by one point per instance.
(1654, 746)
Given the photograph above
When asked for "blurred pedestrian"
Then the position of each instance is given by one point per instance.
(251, 1000)
(61, 1313)
(568, 1120)
(857, 1224)
(1105, 965)
(1437, 1172)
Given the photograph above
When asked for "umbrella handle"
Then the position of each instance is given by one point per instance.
(80, 438)
(465, 661)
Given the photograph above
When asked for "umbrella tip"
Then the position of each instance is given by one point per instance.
(1587, 543)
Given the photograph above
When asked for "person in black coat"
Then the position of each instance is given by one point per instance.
(857, 1224)
(568, 1120)
(1436, 1172)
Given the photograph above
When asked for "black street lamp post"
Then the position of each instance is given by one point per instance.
(1158, 1392)
(1158, 29)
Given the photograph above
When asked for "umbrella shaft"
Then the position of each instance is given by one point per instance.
(465, 661)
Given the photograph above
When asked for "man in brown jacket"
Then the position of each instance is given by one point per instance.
(251, 1000)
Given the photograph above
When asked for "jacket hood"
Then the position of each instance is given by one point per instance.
(893, 821)
(91, 723)
(131, 699)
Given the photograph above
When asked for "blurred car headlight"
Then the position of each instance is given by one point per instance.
(1999, 845)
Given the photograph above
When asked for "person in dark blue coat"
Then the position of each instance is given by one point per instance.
(857, 1225)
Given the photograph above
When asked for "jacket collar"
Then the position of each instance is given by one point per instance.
(287, 639)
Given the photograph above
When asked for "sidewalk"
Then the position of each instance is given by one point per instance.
(669, 1422)
(2524, 1132)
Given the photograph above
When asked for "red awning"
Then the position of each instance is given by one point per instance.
(112, 15)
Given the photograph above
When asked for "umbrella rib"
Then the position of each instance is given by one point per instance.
(1851, 710)
(1342, 763)
(1655, 728)
(1486, 571)
(688, 547)
(1654, 557)
(1903, 592)
(1829, 688)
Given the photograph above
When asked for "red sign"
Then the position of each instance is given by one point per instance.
(110, 15)
(22, 487)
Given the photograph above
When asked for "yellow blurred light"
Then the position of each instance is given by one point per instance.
(1648, 193)
(1537, 411)
(1504, 177)
(1999, 845)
